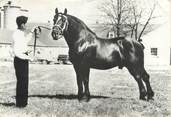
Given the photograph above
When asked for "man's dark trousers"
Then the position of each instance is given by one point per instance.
(21, 70)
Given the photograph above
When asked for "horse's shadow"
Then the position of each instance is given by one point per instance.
(64, 96)
(8, 104)
(57, 96)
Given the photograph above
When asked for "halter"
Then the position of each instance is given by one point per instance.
(60, 27)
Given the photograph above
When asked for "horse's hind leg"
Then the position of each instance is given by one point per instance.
(137, 76)
(146, 78)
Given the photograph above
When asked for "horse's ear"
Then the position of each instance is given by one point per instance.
(56, 10)
(65, 11)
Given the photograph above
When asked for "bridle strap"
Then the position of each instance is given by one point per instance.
(64, 28)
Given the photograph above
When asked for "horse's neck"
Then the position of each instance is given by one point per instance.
(73, 31)
(71, 35)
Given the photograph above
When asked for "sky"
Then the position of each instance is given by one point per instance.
(43, 10)
(87, 10)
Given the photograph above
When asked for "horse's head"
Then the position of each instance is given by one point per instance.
(60, 24)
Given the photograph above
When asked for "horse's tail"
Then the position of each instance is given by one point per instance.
(140, 41)
(121, 53)
(142, 45)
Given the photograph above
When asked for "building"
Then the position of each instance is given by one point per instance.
(8, 14)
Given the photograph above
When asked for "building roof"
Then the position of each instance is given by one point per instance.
(159, 37)
(102, 30)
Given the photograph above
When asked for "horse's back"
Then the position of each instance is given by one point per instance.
(130, 44)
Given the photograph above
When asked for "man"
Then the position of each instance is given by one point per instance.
(20, 50)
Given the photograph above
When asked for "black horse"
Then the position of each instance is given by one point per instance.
(86, 51)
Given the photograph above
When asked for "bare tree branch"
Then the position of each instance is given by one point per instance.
(147, 22)
(126, 17)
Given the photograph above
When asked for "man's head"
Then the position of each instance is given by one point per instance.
(21, 21)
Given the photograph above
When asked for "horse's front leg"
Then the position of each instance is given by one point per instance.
(85, 76)
(79, 82)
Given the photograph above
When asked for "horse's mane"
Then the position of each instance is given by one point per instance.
(85, 26)
(81, 22)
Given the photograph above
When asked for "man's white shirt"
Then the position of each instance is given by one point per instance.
(20, 44)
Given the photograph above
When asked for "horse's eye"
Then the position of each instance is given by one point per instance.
(63, 19)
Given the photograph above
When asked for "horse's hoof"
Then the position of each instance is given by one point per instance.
(84, 99)
(143, 98)
(150, 98)
(80, 95)
(151, 94)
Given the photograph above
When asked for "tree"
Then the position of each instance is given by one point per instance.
(126, 17)
(138, 20)
(117, 12)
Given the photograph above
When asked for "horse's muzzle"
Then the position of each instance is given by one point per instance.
(54, 35)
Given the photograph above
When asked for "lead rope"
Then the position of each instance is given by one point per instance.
(35, 39)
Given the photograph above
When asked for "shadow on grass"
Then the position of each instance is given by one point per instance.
(7, 104)
(63, 96)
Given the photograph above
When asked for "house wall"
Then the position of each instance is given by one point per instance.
(49, 53)
(160, 39)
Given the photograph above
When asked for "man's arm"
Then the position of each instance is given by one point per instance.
(21, 55)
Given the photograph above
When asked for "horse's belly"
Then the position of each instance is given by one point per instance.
(103, 64)
(103, 67)
(105, 59)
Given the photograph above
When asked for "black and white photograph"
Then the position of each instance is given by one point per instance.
(85, 58)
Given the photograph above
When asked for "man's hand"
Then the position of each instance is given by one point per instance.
(33, 29)
(36, 29)
(33, 59)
